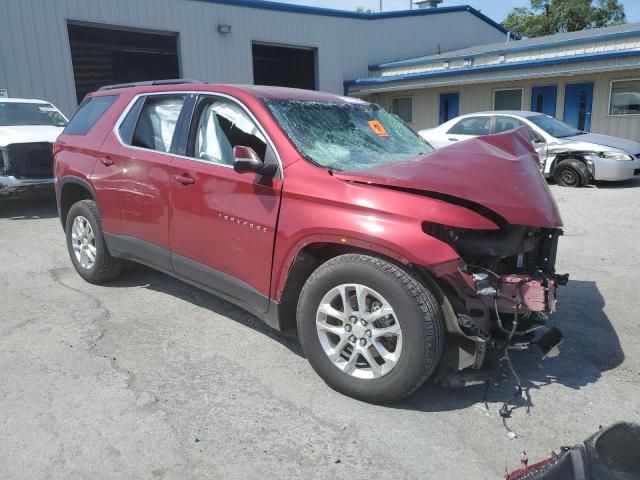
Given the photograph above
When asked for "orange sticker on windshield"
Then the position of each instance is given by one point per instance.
(378, 129)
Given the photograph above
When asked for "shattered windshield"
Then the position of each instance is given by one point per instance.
(346, 136)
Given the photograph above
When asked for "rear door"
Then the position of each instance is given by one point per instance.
(133, 175)
(223, 223)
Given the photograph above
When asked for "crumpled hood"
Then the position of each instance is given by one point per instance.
(597, 143)
(499, 172)
(29, 134)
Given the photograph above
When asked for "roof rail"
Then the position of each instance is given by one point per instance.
(148, 83)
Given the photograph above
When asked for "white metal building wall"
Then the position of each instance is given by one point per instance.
(35, 59)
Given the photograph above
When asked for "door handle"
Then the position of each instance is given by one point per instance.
(453, 139)
(184, 179)
(106, 161)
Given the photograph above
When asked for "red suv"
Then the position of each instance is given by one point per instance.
(316, 212)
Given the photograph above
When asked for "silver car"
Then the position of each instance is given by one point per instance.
(571, 157)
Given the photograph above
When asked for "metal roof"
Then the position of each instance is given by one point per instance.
(495, 67)
(328, 12)
(548, 41)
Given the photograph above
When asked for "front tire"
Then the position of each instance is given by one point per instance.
(369, 328)
(86, 245)
(571, 173)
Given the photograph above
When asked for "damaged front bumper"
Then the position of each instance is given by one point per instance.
(504, 293)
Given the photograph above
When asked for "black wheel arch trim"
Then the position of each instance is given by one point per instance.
(572, 155)
(77, 181)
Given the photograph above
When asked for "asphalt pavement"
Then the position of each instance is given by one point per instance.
(150, 378)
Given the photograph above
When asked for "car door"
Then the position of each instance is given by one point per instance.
(468, 127)
(223, 223)
(135, 168)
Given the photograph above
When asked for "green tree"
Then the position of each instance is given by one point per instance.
(546, 17)
(363, 10)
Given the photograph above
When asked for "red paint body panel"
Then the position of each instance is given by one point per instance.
(225, 220)
(500, 172)
(318, 207)
(134, 192)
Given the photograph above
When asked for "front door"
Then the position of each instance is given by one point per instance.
(577, 105)
(223, 224)
(543, 99)
(449, 106)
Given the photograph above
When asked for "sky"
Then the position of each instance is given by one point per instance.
(495, 9)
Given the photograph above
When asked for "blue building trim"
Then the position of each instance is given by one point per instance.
(543, 45)
(328, 12)
(492, 68)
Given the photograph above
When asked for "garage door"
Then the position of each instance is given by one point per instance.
(105, 54)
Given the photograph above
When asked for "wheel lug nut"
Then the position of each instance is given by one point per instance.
(347, 327)
(364, 323)
(363, 342)
(353, 319)
(368, 333)
(352, 339)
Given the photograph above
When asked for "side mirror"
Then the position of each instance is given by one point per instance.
(245, 159)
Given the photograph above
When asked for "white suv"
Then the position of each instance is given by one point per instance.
(28, 129)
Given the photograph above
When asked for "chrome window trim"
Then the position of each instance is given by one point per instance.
(186, 93)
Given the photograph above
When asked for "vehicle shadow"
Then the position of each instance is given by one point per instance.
(590, 347)
(631, 183)
(28, 207)
(140, 276)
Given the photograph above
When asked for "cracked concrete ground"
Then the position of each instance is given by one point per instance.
(150, 378)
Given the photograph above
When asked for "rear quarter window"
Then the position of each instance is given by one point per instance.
(89, 112)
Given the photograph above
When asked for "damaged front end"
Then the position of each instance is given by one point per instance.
(503, 287)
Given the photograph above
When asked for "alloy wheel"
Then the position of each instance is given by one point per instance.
(83, 242)
(359, 331)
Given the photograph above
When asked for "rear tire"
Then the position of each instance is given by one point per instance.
(571, 173)
(405, 342)
(85, 243)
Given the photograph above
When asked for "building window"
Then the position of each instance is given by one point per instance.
(507, 99)
(403, 108)
(625, 98)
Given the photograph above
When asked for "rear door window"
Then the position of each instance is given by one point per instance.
(504, 124)
(89, 112)
(472, 126)
(156, 123)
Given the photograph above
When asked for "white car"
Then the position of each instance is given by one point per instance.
(28, 129)
(572, 157)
